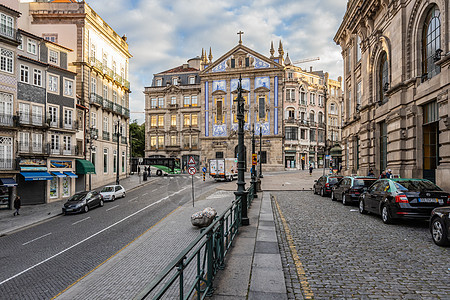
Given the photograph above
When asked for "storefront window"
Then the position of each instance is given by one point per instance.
(54, 187)
(4, 197)
(66, 187)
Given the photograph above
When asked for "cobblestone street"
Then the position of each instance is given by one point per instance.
(331, 251)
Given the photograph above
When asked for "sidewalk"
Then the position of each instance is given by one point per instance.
(32, 214)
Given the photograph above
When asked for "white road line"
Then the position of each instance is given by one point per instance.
(36, 239)
(144, 194)
(132, 199)
(81, 220)
(112, 207)
(86, 239)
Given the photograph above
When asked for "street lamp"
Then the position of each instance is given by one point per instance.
(255, 195)
(118, 132)
(93, 135)
(260, 152)
(241, 192)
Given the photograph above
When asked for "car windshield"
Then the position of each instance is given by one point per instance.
(364, 182)
(416, 186)
(77, 197)
(334, 179)
(107, 189)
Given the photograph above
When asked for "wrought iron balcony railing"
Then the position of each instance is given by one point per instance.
(7, 164)
(6, 120)
(96, 99)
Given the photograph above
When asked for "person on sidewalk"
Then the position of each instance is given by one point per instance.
(310, 169)
(139, 171)
(17, 204)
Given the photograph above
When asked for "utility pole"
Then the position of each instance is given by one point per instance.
(118, 150)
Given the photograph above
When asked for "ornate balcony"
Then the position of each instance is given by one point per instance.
(123, 139)
(108, 105)
(96, 99)
(96, 63)
(117, 108)
(31, 148)
(7, 164)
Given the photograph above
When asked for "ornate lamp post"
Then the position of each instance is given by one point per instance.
(118, 134)
(260, 152)
(241, 192)
(254, 166)
(92, 136)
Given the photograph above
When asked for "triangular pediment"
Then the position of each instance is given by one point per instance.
(262, 89)
(218, 93)
(172, 89)
(241, 58)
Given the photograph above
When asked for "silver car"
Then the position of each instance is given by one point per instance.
(112, 192)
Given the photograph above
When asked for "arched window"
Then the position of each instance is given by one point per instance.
(311, 118)
(383, 80)
(320, 118)
(333, 110)
(431, 42)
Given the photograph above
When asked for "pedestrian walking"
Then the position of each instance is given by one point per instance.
(389, 173)
(383, 175)
(139, 170)
(310, 170)
(17, 204)
(370, 172)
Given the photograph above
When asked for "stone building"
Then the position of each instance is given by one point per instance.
(262, 83)
(396, 82)
(100, 60)
(172, 112)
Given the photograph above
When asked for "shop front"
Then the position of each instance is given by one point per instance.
(312, 159)
(7, 186)
(62, 185)
(303, 161)
(83, 167)
(289, 159)
(32, 181)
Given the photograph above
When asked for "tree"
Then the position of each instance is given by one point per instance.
(137, 135)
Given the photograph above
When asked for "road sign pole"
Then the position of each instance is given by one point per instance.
(192, 176)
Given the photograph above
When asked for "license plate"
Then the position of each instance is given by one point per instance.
(428, 200)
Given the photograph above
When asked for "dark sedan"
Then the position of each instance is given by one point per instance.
(349, 188)
(402, 198)
(82, 202)
(324, 184)
(440, 225)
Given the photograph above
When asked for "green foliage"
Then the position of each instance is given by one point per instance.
(137, 135)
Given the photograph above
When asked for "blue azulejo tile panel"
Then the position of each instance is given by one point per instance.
(261, 64)
(219, 85)
(221, 66)
(245, 84)
(262, 126)
(220, 130)
(206, 109)
(262, 82)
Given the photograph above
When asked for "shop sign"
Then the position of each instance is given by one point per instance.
(33, 162)
(61, 164)
(29, 169)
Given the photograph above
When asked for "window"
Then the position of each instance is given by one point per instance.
(383, 80)
(290, 95)
(52, 56)
(290, 113)
(262, 157)
(191, 80)
(349, 104)
(67, 144)
(311, 118)
(358, 48)
(291, 133)
(153, 141)
(194, 141)
(312, 135)
(233, 63)
(159, 82)
(383, 145)
(161, 102)
(160, 141)
(68, 88)
(37, 77)
(105, 92)
(94, 157)
(302, 98)
(105, 160)
(24, 113)
(186, 140)
(31, 47)
(160, 121)
(68, 119)
(20, 47)
(115, 97)
(24, 74)
(114, 67)
(105, 124)
(262, 108)
(55, 143)
(194, 120)
(303, 134)
(93, 85)
(6, 25)
(105, 61)
(333, 109)
(321, 100)
(312, 99)
(321, 136)
(320, 118)
(6, 60)
(52, 83)
(53, 115)
(36, 143)
(349, 59)
(24, 141)
(52, 37)
(173, 100)
(114, 161)
(153, 103)
(219, 111)
(175, 81)
(194, 100)
(173, 120)
(93, 119)
(153, 121)
(186, 101)
(36, 116)
(93, 52)
(431, 42)
(186, 120)
(54, 187)
(219, 154)
(173, 140)
(123, 162)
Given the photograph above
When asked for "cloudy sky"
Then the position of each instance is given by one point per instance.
(164, 34)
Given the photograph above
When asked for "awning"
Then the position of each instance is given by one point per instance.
(9, 182)
(59, 174)
(85, 167)
(71, 175)
(31, 176)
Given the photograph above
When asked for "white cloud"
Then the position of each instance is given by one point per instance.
(165, 34)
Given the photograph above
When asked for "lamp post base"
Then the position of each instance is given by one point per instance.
(258, 185)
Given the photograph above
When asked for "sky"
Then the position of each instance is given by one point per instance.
(165, 34)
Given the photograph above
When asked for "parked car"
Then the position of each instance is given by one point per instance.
(324, 184)
(440, 225)
(82, 202)
(112, 192)
(402, 198)
(349, 188)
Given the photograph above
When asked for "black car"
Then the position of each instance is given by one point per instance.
(402, 198)
(82, 202)
(324, 184)
(440, 225)
(349, 188)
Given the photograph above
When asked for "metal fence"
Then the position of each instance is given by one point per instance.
(191, 274)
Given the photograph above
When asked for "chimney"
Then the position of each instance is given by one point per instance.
(185, 66)
(310, 69)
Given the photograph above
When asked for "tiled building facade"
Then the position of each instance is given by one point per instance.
(397, 75)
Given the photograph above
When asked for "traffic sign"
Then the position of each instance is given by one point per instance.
(192, 170)
(191, 162)
(204, 169)
(254, 159)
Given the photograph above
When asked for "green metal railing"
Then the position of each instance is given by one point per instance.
(191, 274)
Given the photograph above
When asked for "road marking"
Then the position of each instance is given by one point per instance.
(354, 210)
(84, 240)
(144, 194)
(132, 199)
(304, 285)
(81, 220)
(112, 207)
(124, 247)
(36, 239)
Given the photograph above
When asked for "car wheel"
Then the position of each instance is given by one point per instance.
(159, 173)
(113, 198)
(123, 196)
(344, 199)
(386, 215)
(86, 208)
(438, 232)
(102, 202)
(322, 193)
(230, 178)
(362, 210)
(333, 198)
(314, 190)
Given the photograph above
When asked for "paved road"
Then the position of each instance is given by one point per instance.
(341, 254)
(41, 261)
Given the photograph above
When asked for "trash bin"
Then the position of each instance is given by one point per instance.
(144, 176)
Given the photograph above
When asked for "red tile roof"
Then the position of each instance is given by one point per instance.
(180, 69)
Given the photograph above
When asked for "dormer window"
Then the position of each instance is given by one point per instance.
(159, 82)
(31, 47)
(53, 57)
(192, 80)
(7, 25)
(175, 80)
